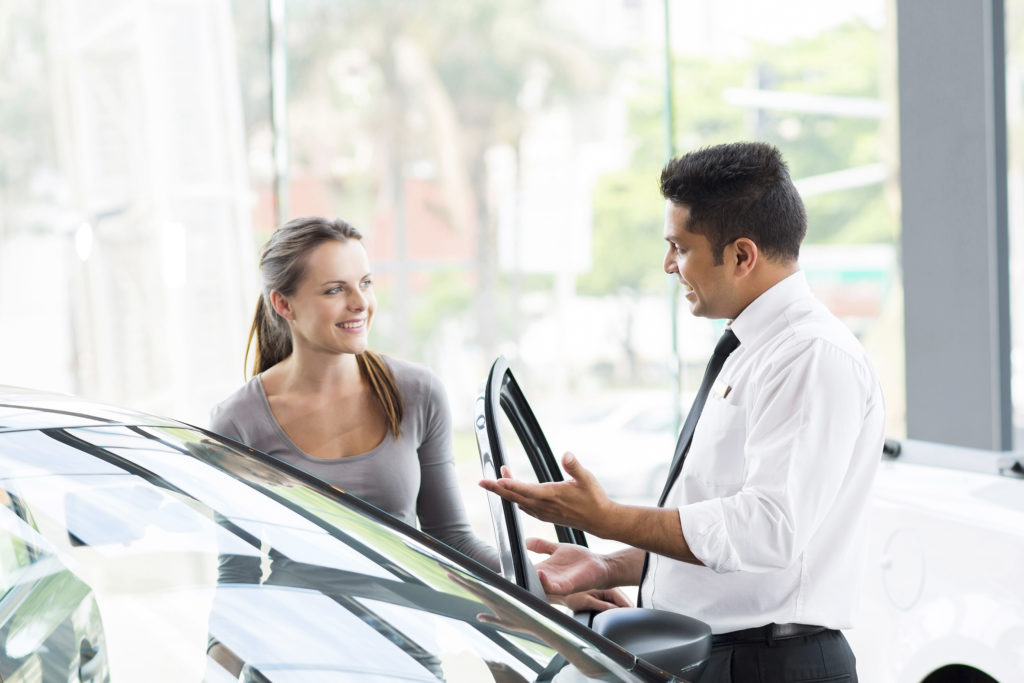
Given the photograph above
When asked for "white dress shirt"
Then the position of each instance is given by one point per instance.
(772, 497)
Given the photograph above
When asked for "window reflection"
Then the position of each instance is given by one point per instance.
(182, 544)
(44, 605)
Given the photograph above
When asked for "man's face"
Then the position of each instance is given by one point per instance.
(708, 287)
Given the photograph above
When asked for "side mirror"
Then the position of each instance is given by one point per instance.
(672, 642)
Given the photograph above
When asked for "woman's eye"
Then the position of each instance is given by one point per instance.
(366, 284)
(333, 290)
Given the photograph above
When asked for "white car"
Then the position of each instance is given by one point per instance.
(943, 591)
(626, 440)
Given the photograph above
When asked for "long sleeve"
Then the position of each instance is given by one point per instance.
(439, 505)
(798, 454)
(773, 495)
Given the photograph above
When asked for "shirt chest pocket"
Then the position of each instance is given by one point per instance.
(716, 452)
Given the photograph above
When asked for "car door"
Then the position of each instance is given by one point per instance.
(505, 423)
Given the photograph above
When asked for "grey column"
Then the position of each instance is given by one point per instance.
(954, 244)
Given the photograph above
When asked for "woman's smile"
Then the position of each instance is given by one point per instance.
(353, 325)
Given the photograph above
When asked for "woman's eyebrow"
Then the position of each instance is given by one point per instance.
(343, 282)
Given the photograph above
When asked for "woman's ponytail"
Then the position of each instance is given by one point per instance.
(273, 344)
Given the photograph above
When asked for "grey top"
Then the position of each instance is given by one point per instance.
(411, 476)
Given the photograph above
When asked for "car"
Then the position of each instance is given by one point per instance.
(625, 439)
(942, 598)
(140, 548)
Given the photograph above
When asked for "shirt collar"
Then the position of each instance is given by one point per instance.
(766, 308)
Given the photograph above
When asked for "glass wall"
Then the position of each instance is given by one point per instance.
(1015, 193)
(125, 233)
(501, 159)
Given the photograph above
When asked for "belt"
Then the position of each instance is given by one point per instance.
(766, 634)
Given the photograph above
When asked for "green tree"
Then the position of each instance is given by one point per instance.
(440, 85)
(840, 61)
(843, 61)
(628, 217)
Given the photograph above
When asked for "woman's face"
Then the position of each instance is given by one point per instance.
(333, 304)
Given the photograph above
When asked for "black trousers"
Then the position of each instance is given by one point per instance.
(823, 657)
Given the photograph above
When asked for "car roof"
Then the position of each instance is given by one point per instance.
(29, 409)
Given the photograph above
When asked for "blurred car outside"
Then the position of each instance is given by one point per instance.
(626, 439)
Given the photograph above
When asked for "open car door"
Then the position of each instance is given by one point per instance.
(671, 641)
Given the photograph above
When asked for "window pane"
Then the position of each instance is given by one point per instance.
(1014, 10)
(502, 161)
(500, 158)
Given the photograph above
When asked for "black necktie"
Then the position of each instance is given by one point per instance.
(727, 343)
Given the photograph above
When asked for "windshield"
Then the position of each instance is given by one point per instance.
(169, 543)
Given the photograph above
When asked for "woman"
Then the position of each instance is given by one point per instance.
(373, 425)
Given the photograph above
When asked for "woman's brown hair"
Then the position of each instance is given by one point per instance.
(282, 265)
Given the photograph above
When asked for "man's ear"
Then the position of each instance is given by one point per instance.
(745, 255)
(281, 305)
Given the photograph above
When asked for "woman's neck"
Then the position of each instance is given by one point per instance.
(312, 373)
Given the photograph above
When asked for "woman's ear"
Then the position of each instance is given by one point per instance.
(281, 305)
(745, 255)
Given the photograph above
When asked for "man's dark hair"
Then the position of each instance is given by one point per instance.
(741, 189)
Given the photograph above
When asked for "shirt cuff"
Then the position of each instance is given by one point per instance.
(705, 532)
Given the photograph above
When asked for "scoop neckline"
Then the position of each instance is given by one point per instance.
(298, 451)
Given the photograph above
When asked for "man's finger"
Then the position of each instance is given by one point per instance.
(575, 469)
(541, 545)
(506, 488)
(551, 586)
(618, 598)
(509, 489)
(506, 493)
(522, 490)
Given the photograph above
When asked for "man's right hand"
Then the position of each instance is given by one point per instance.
(569, 568)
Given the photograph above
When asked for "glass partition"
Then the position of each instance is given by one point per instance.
(501, 159)
(1014, 21)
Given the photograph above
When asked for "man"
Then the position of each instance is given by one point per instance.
(762, 532)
